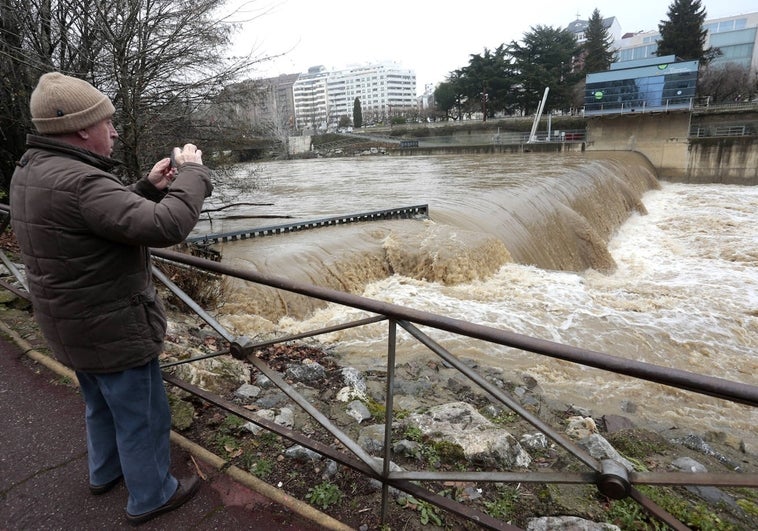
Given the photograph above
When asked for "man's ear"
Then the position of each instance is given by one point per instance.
(83, 134)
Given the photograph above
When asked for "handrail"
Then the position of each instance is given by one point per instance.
(698, 383)
(610, 477)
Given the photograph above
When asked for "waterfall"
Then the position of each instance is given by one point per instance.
(559, 217)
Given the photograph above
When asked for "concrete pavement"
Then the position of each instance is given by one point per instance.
(43, 467)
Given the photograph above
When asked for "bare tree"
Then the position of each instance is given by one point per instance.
(727, 83)
(159, 60)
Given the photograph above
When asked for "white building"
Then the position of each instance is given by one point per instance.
(383, 89)
(736, 37)
(309, 95)
(579, 29)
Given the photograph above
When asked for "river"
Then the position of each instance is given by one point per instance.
(587, 249)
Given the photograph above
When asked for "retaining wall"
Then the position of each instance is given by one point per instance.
(664, 139)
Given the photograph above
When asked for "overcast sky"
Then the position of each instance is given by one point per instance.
(428, 37)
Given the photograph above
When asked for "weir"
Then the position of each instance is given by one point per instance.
(409, 212)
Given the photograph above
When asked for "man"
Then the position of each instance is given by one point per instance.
(84, 240)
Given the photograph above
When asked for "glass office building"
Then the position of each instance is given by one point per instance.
(735, 37)
(649, 85)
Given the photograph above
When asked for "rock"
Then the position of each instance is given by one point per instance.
(267, 414)
(687, 464)
(749, 447)
(371, 438)
(580, 427)
(270, 400)
(247, 391)
(406, 448)
(599, 448)
(406, 403)
(263, 381)
(286, 417)
(216, 375)
(352, 377)
(567, 523)
(414, 388)
(302, 454)
(358, 411)
(252, 427)
(614, 423)
(7, 297)
(530, 382)
(723, 439)
(331, 469)
(182, 412)
(579, 411)
(482, 442)
(697, 443)
(394, 467)
(308, 372)
(534, 441)
(710, 494)
(457, 387)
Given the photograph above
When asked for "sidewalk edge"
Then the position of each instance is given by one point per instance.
(248, 480)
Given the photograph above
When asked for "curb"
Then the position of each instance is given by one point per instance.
(237, 474)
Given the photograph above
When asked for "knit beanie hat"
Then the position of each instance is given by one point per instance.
(63, 104)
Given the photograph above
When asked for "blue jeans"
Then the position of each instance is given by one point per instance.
(128, 426)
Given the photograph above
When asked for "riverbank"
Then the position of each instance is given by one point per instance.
(421, 386)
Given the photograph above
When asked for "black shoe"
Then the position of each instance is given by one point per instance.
(97, 490)
(184, 492)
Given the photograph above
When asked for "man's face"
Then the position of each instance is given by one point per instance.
(101, 137)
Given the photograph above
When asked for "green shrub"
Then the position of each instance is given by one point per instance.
(324, 495)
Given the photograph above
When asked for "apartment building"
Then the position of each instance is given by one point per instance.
(310, 99)
(274, 101)
(322, 97)
(384, 90)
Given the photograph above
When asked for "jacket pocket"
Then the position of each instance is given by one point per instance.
(157, 317)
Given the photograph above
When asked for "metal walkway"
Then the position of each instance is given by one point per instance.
(410, 212)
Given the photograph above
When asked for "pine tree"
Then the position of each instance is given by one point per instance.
(357, 113)
(598, 48)
(682, 34)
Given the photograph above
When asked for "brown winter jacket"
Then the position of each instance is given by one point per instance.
(85, 239)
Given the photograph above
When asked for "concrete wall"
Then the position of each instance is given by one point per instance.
(299, 144)
(664, 139)
(728, 160)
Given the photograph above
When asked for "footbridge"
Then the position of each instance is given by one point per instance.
(408, 212)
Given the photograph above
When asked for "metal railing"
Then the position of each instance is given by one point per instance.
(610, 477)
(638, 106)
(723, 129)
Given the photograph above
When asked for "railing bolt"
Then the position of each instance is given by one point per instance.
(614, 480)
(241, 347)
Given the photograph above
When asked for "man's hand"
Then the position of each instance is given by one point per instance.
(163, 173)
(189, 153)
